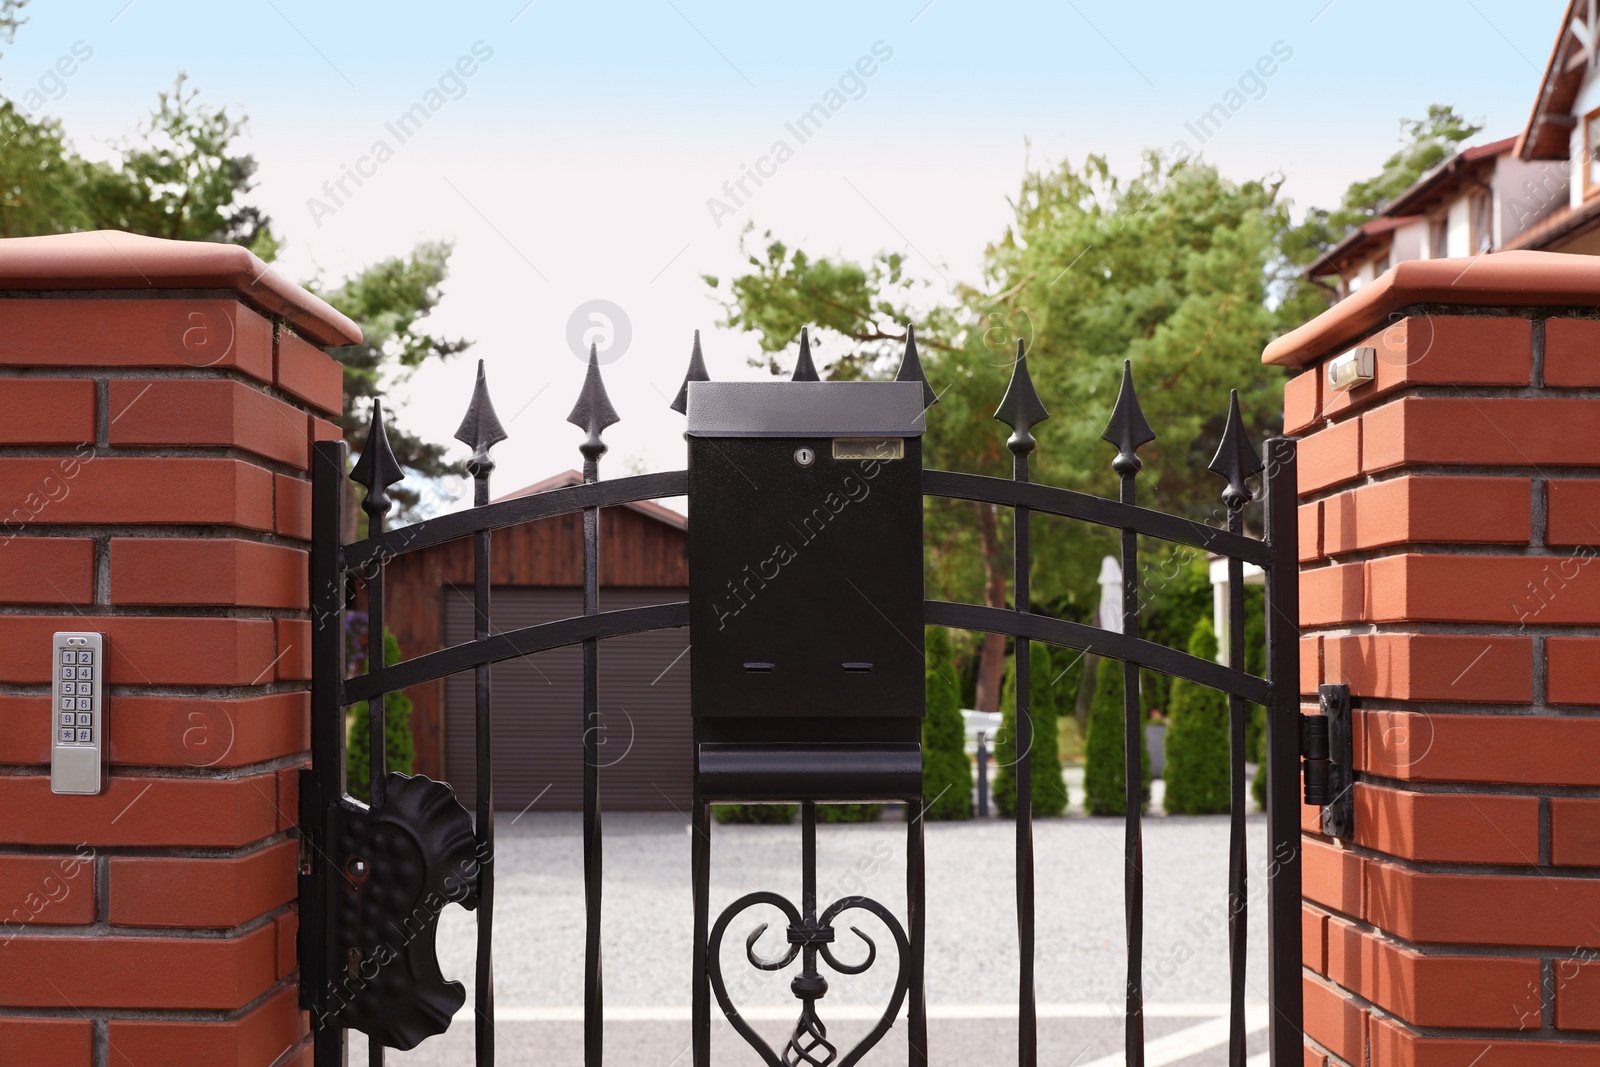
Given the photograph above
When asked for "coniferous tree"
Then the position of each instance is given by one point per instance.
(1049, 789)
(1197, 738)
(946, 771)
(1103, 772)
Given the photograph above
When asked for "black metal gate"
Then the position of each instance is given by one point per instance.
(375, 878)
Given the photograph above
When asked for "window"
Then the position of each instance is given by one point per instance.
(1381, 263)
(1480, 215)
(1591, 142)
(1439, 235)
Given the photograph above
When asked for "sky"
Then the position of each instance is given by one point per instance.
(584, 153)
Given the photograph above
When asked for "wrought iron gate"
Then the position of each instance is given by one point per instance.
(376, 877)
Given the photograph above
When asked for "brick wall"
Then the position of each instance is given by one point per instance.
(157, 404)
(1449, 517)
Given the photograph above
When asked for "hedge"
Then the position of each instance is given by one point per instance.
(946, 771)
(1103, 778)
(1197, 738)
(1049, 789)
(399, 750)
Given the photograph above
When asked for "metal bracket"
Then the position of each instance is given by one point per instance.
(390, 872)
(1327, 741)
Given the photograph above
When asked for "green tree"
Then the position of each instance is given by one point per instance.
(1197, 739)
(1425, 143)
(1049, 789)
(946, 770)
(399, 749)
(1104, 780)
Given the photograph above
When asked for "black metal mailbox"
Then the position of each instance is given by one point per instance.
(806, 597)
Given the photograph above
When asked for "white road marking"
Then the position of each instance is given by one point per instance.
(1189, 1042)
(1213, 1031)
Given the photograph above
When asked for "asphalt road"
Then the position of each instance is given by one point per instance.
(972, 956)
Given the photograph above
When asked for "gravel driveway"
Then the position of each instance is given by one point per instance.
(971, 953)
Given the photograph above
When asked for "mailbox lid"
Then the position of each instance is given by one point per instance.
(805, 409)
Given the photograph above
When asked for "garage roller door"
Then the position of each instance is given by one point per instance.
(647, 740)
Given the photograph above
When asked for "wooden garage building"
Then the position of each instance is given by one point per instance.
(645, 752)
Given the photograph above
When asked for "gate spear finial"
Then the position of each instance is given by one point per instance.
(911, 369)
(480, 428)
(377, 469)
(1021, 409)
(1236, 459)
(804, 369)
(1127, 430)
(593, 411)
(696, 373)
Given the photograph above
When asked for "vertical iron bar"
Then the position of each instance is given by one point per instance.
(700, 874)
(1022, 556)
(378, 765)
(483, 1034)
(325, 781)
(1285, 996)
(916, 908)
(1238, 919)
(1133, 791)
(593, 998)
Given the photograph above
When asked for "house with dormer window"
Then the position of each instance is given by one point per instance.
(1539, 190)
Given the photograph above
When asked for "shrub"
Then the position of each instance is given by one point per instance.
(399, 751)
(849, 812)
(754, 813)
(1049, 789)
(1197, 738)
(1103, 778)
(946, 771)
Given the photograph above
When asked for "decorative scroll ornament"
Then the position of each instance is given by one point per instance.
(1127, 430)
(911, 369)
(398, 866)
(593, 411)
(480, 429)
(810, 936)
(1236, 461)
(377, 469)
(804, 369)
(696, 373)
(1021, 409)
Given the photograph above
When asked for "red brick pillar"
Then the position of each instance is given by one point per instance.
(1450, 513)
(157, 404)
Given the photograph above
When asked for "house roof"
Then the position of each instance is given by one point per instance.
(566, 478)
(111, 259)
(1548, 133)
(1410, 204)
(1559, 225)
(1505, 279)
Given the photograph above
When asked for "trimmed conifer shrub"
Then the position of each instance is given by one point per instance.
(398, 746)
(1049, 789)
(1197, 738)
(1103, 777)
(946, 770)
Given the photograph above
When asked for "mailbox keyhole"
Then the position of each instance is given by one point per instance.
(804, 456)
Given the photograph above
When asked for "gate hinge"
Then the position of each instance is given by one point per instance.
(1327, 743)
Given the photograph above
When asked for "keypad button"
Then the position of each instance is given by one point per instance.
(85, 673)
(85, 657)
(69, 672)
(83, 703)
(67, 704)
(85, 735)
(69, 689)
(67, 736)
(66, 718)
(69, 656)
(85, 719)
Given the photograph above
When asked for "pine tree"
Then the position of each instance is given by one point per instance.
(398, 748)
(1198, 738)
(1049, 789)
(946, 771)
(1103, 778)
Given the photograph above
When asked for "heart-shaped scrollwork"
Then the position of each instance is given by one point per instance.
(809, 936)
